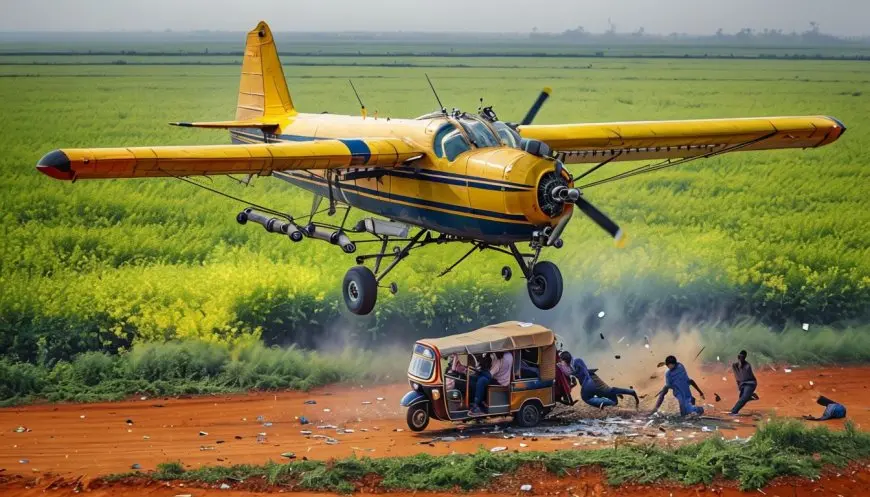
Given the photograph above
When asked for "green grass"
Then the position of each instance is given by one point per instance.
(779, 237)
(778, 448)
(176, 368)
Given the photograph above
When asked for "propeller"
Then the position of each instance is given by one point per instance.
(536, 107)
(563, 194)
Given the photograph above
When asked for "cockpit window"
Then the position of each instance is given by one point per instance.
(479, 133)
(508, 136)
(439, 139)
(454, 144)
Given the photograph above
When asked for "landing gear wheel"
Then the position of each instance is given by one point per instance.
(418, 416)
(528, 416)
(545, 285)
(506, 273)
(360, 289)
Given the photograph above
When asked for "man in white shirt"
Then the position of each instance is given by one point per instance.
(500, 372)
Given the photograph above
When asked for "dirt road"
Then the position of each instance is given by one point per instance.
(71, 440)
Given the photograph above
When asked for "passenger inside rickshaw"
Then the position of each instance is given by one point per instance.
(529, 365)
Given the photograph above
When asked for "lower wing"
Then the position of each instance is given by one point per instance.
(645, 140)
(260, 158)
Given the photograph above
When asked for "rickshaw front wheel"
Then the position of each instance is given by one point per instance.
(529, 415)
(418, 416)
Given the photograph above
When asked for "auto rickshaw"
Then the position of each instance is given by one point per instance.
(442, 369)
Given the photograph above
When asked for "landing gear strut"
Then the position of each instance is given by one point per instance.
(544, 280)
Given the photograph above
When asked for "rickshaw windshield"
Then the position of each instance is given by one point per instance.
(422, 362)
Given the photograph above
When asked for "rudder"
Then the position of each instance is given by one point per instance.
(263, 90)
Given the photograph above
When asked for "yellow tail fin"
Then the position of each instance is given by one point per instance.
(263, 90)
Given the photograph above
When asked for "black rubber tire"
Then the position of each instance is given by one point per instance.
(360, 290)
(529, 415)
(545, 285)
(418, 416)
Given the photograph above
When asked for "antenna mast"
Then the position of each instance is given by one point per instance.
(444, 110)
(362, 106)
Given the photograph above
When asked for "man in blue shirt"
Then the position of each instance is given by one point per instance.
(833, 410)
(595, 393)
(677, 380)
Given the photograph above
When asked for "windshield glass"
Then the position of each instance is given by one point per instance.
(479, 133)
(422, 362)
(507, 135)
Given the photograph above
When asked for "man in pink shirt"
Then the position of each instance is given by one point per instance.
(501, 372)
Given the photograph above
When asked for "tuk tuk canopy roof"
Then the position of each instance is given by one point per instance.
(494, 338)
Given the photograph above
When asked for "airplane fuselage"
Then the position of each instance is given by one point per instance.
(489, 194)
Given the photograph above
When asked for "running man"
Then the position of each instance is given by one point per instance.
(595, 393)
(746, 382)
(678, 381)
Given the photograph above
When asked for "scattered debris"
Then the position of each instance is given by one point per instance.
(498, 449)
(206, 447)
(261, 437)
(327, 410)
(327, 427)
(136, 466)
(267, 424)
(238, 437)
(146, 437)
(203, 433)
(129, 422)
(380, 398)
(23, 461)
(305, 432)
(21, 429)
(706, 429)
(82, 416)
(699, 353)
(224, 486)
(601, 335)
(620, 340)
(362, 449)
(601, 314)
(331, 441)
(523, 446)
(526, 488)
(618, 356)
(399, 429)
(366, 402)
(787, 370)
(717, 359)
(716, 395)
(724, 379)
(219, 441)
(303, 420)
(806, 326)
(811, 383)
(310, 402)
(289, 455)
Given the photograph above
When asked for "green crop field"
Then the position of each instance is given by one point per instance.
(778, 237)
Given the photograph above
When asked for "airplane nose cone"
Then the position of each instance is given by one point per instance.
(56, 165)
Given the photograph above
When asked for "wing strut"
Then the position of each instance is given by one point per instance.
(669, 163)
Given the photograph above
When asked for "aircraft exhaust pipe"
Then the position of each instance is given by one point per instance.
(271, 224)
(564, 194)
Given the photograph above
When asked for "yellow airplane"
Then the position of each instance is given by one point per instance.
(465, 177)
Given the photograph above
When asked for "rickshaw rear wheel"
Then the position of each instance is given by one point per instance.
(418, 416)
(360, 289)
(529, 415)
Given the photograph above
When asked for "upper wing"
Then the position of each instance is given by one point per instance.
(644, 140)
(261, 158)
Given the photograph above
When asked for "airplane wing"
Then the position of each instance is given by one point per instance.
(645, 140)
(260, 158)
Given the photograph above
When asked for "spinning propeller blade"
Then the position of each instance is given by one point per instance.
(533, 111)
(602, 220)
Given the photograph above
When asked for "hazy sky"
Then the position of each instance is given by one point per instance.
(842, 17)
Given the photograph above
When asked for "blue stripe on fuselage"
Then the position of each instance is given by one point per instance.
(445, 222)
(359, 152)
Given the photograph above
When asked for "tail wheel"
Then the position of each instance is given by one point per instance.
(418, 416)
(545, 285)
(529, 415)
(360, 289)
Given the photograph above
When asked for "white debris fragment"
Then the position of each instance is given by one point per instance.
(811, 383)
(498, 449)
(82, 416)
(380, 398)
(806, 326)
(366, 402)
(526, 488)
(706, 429)
(601, 314)
(787, 370)
(224, 486)
(523, 446)
(327, 410)
(724, 379)
(620, 340)
(717, 358)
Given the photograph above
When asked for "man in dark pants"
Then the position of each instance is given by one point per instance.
(746, 382)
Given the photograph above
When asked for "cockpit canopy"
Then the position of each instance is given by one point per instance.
(466, 131)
